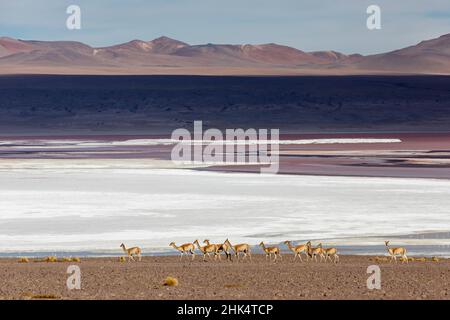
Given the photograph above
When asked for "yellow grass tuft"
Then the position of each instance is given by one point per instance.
(411, 259)
(45, 296)
(122, 259)
(233, 285)
(24, 260)
(171, 282)
(435, 259)
(381, 259)
(51, 259)
(421, 259)
(29, 295)
(55, 259)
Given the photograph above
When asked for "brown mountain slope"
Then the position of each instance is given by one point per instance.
(271, 54)
(162, 45)
(10, 46)
(165, 45)
(431, 56)
(51, 53)
(165, 55)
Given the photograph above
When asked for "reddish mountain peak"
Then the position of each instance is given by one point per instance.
(164, 39)
(136, 44)
(161, 45)
(166, 45)
(10, 46)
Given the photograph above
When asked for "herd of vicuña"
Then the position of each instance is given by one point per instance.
(208, 250)
(243, 251)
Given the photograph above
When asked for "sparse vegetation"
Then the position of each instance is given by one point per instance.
(233, 285)
(51, 259)
(41, 296)
(410, 259)
(421, 259)
(171, 282)
(381, 259)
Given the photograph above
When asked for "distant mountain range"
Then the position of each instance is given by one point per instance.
(168, 56)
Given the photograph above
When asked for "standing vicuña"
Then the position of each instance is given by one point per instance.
(221, 247)
(297, 250)
(184, 249)
(394, 252)
(269, 251)
(207, 250)
(134, 251)
(331, 252)
(240, 248)
(316, 251)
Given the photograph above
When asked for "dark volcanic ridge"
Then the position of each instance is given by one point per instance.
(85, 104)
(165, 55)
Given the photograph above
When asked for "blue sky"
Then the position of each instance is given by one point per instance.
(305, 24)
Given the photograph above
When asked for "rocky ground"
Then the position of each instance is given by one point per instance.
(107, 278)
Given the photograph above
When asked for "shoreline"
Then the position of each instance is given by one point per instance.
(109, 279)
